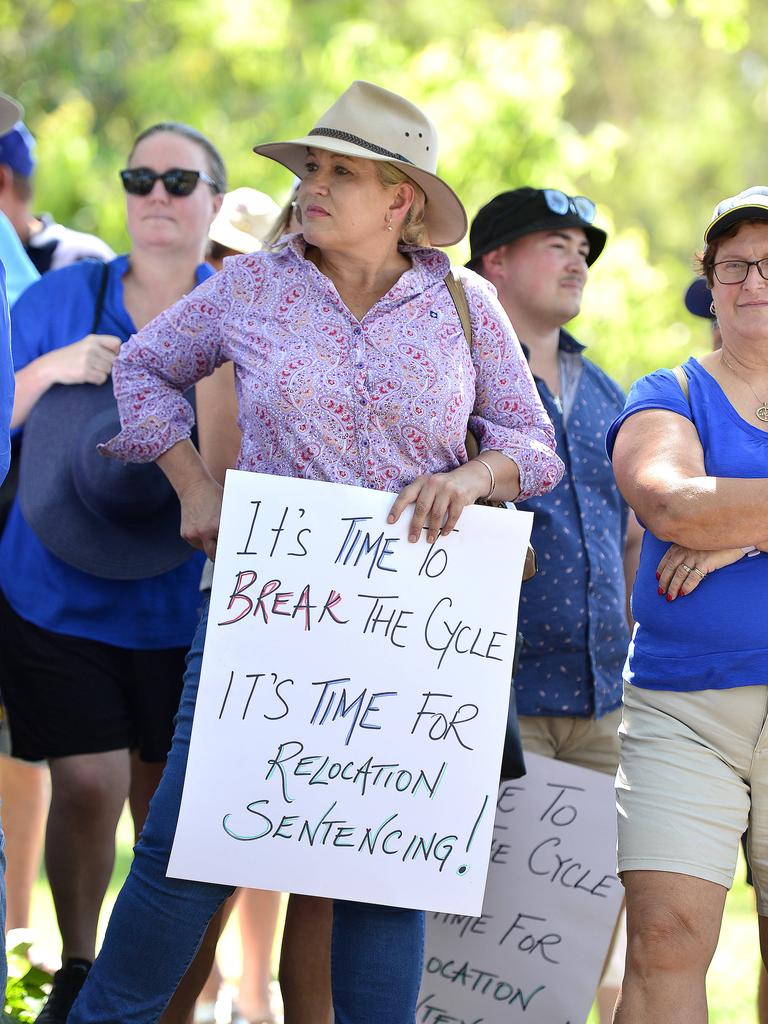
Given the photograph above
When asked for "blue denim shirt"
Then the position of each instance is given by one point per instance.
(572, 613)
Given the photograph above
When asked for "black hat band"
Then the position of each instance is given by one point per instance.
(334, 133)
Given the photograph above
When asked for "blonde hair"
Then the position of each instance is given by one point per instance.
(282, 222)
(413, 231)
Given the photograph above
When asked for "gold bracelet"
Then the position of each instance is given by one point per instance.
(492, 475)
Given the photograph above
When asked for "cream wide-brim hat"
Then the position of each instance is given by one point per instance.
(10, 113)
(246, 217)
(375, 124)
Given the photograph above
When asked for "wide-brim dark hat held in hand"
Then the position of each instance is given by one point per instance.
(115, 520)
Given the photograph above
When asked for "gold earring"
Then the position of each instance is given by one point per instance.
(388, 221)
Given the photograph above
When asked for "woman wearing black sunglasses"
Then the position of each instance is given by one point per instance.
(93, 660)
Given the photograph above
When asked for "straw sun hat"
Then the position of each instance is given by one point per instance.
(10, 113)
(375, 124)
(245, 218)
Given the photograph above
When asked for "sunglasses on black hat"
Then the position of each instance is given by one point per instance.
(559, 202)
(139, 181)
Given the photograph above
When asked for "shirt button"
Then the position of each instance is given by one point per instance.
(358, 329)
(365, 442)
(359, 365)
(363, 401)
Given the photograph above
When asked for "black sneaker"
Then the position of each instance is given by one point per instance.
(66, 984)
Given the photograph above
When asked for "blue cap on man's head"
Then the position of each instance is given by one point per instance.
(698, 299)
(17, 149)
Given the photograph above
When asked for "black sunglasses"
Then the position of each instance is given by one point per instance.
(139, 181)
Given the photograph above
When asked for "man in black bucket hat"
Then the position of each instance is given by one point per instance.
(536, 246)
(525, 211)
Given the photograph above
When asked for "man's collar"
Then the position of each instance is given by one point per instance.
(566, 343)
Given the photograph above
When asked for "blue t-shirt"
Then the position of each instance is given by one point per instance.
(20, 272)
(146, 614)
(717, 636)
(6, 379)
(573, 612)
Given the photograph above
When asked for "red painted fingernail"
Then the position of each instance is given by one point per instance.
(661, 592)
(658, 575)
(669, 598)
(683, 593)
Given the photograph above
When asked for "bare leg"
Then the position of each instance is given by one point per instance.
(673, 923)
(257, 916)
(305, 960)
(762, 985)
(209, 993)
(762, 996)
(210, 990)
(24, 791)
(606, 1002)
(613, 970)
(180, 1010)
(145, 778)
(87, 796)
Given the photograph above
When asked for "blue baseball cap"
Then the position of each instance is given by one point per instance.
(17, 149)
(698, 299)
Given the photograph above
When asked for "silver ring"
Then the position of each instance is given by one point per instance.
(688, 568)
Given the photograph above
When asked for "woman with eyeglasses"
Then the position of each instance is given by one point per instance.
(690, 453)
(93, 666)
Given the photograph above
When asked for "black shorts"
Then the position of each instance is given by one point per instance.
(66, 695)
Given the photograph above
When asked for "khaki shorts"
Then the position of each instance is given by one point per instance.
(587, 742)
(693, 775)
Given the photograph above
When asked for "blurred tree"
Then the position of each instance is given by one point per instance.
(654, 108)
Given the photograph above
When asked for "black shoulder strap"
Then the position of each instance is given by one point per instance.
(100, 297)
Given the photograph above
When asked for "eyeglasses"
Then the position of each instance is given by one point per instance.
(139, 181)
(736, 271)
(559, 202)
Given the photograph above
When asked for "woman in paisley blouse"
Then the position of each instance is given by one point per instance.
(351, 366)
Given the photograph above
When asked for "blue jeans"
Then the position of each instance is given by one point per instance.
(158, 923)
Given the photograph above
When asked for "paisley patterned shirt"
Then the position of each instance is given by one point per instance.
(321, 395)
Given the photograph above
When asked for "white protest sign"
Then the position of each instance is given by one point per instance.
(353, 700)
(551, 903)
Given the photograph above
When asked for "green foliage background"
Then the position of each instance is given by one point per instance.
(654, 108)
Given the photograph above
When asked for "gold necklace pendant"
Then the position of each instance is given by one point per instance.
(762, 410)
